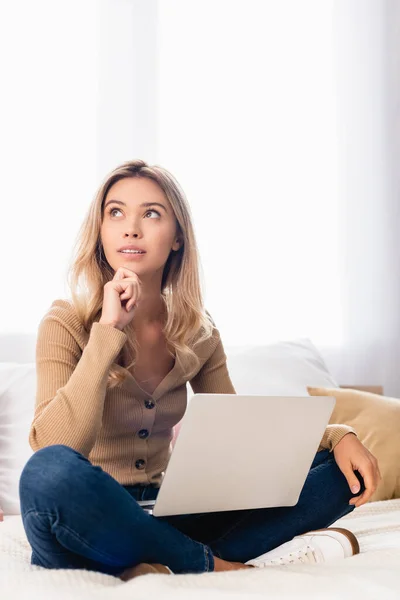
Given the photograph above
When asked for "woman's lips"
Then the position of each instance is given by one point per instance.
(132, 255)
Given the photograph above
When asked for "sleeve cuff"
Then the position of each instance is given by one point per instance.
(107, 339)
(333, 434)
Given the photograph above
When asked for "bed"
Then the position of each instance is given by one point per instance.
(372, 574)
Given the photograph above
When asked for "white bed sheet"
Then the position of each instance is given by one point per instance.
(373, 574)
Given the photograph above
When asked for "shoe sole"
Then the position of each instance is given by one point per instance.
(142, 569)
(355, 546)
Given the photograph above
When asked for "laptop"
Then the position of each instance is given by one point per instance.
(241, 451)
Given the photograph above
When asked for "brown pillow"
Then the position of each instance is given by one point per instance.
(376, 419)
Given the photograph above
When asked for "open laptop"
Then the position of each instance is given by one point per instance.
(239, 451)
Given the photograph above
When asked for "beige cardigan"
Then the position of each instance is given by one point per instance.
(124, 430)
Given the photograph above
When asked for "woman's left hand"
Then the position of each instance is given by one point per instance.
(351, 454)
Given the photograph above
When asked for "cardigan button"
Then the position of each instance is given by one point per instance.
(149, 404)
(143, 433)
(139, 464)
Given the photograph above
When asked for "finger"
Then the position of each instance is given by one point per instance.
(352, 480)
(122, 272)
(118, 274)
(125, 284)
(131, 304)
(128, 292)
(360, 500)
(367, 473)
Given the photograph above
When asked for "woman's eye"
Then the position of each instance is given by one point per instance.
(154, 211)
(112, 210)
(149, 211)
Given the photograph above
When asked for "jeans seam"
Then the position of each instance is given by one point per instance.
(207, 557)
(74, 534)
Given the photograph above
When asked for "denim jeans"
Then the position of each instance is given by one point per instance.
(77, 516)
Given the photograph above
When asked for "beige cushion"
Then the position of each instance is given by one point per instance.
(376, 420)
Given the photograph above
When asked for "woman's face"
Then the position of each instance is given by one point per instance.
(152, 228)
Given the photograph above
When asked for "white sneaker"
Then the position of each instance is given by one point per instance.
(321, 545)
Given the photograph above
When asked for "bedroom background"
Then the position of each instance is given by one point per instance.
(280, 119)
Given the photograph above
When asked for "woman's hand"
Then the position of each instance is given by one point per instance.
(351, 454)
(121, 296)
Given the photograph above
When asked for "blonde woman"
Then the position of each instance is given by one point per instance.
(112, 367)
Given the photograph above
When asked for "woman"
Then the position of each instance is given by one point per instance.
(112, 367)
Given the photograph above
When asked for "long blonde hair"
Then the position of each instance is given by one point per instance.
(188, 323)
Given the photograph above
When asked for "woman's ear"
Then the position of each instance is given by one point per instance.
(177, 244)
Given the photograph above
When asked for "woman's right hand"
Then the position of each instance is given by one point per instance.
(125, 285)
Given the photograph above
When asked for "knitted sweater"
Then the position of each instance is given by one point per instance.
(124, 430)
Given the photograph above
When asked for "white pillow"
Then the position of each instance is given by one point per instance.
(17, 402)
(280, 368)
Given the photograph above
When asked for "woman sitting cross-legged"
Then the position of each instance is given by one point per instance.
(112, 366)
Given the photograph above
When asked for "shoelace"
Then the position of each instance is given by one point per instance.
(304, 555)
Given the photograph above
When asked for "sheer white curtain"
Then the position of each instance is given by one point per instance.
(78, 98)
(367, 83)
(278, 117)
(48, 148)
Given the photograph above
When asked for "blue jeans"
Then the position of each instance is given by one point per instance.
(76, 516)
